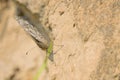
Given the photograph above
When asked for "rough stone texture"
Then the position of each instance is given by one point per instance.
(88, 29)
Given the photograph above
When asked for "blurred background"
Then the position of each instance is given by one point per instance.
(19, 55)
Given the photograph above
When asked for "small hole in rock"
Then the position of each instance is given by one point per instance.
(61, 13)
(74, 25)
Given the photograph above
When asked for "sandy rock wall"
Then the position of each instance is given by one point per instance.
(87, 30)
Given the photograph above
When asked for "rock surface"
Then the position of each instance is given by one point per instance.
(88, 30)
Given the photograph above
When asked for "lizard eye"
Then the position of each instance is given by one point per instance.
(19, 12)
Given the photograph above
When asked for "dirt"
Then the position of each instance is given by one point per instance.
(86, 41)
